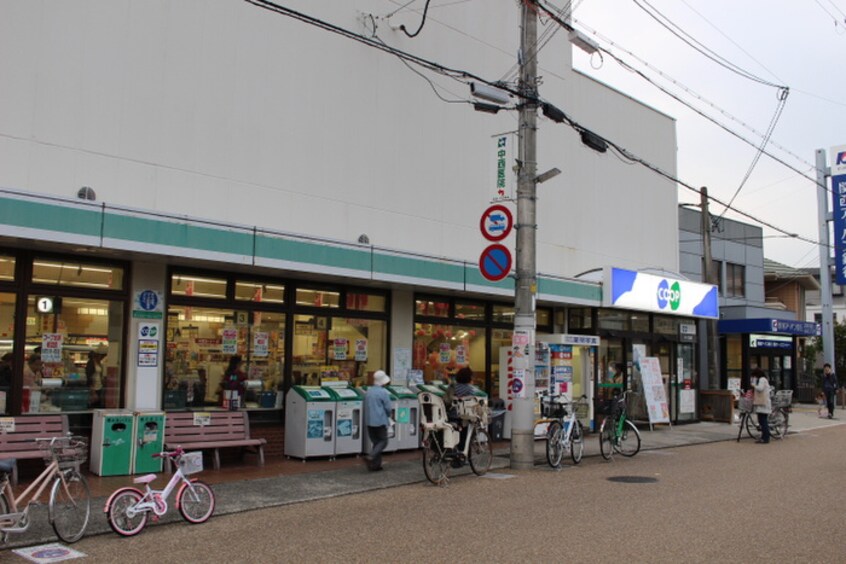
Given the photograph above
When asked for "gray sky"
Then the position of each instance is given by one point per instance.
(791, 42)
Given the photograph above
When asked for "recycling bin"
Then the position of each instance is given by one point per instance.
(407, 417)
(349, 418)
(111, 443)
(149, 440)
(309, 422)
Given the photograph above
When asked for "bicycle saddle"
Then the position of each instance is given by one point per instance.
(6, 466)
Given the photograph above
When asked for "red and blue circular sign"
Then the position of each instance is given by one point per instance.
(496, 223)
(495, 262)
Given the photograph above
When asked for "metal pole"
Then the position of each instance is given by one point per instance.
(713, 349)
(825, 260)
(523, 419)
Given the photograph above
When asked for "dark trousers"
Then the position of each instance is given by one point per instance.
(764, 422)
(829, 402)
(379, 440)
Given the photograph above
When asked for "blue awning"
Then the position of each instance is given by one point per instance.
(767, 325)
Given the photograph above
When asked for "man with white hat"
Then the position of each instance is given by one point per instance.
(377, 410)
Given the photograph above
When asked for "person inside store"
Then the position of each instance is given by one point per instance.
(94, 376)
(233, 385)
(761, 402)
(829, 383)
(6, 369)
(33, 371)
(377, 412)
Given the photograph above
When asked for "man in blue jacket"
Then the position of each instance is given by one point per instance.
(377, 409)
(829, 383)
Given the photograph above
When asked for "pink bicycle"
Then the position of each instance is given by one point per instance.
(128, 509)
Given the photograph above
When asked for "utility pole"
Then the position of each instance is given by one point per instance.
(825, 260)
(523, 419)
(709, 278)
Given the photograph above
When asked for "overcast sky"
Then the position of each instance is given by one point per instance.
(791, 42)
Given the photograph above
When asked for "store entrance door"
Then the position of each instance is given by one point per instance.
(683, 404)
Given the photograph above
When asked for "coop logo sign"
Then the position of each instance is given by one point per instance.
(627, 289)
(669, 295)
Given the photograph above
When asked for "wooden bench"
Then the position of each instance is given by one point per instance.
(225, 429)
(20, 443)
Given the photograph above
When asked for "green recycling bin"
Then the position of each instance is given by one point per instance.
(149, 440)
(111, 443)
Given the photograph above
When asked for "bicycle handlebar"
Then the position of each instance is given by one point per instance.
(169, 454)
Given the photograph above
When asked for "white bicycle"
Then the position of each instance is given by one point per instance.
(565, 432)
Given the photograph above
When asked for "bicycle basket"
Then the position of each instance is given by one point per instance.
(69, 452)
(191, 462)
(744, 404)
(605, 406)
(582, 409)
(783, 398)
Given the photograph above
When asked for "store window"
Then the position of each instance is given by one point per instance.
(735, 280)
(665, 325)
(259, 292)
(470, 311)
(579, 318)
(440, 350)
(318, 298)
(79, 274)
(329, 349)
(7, 268)
(431, 307)
(361, 301)
(503, 314)
(500, 338)
(7, 342)
(73, 354)
(198, 286)
(202, 341)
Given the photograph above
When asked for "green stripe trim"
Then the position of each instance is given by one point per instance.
(417, 267)
(275, 248)
(570, 289)
(173, 234)
(50, 217)
(475, 278)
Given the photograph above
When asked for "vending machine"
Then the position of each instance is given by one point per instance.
(392, 432)
(407, 417)
(349, 417)
(309, 422)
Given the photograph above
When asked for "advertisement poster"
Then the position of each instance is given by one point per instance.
(51, 347)
(315, 424)
(148, 352)
(230, 341)
(653, 390)
(460, 355)
(687, 401)
(260, 343)
(445, 353)
(202, 418)
(518, 384)
(361, 350)
(339, 349)
(402, 366)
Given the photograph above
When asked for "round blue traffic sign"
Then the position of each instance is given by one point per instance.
(496, 223)
(495, 262)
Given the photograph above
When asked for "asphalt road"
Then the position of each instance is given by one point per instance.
(724, 501)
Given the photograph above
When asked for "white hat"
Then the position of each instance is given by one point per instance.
(102, 349)
(380, 378)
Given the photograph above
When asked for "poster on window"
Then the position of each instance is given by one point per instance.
(653, 390)
(361, 350)
(445, 353)
(460, 355)
(339, 349)
(51, 347)
(260, 343)
(687, 401)
(230, 341)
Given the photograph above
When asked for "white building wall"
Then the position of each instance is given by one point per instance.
(221, 110)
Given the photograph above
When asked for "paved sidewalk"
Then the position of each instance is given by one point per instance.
(245, 495)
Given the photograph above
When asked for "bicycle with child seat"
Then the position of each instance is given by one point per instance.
(441, 438)
(128, 509)
(617, 433)
(565, 432)
(779, 419)
(69, 505)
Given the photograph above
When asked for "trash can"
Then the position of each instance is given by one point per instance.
(111, 443)
(497, 425)
(149, 440)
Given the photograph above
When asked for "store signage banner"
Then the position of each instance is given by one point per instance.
(653, 390)
(504, 178)
(230, 341)
(361, 350)
(647, 292)
(838, 194)
(51, 347)
(340, 349)
(260, 343)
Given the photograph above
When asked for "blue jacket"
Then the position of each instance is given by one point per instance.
(377, 406)
(829, 382)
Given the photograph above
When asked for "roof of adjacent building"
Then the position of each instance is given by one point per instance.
(778, 272)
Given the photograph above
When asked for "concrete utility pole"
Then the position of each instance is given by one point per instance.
(522, 426)
(825, 259)
(709, 278)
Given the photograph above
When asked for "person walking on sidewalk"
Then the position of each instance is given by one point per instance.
(761, 402)
(377, 409)
(829, 383)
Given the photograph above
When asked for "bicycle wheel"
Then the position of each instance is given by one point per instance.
(778, 423)
(752, 426)
(70, 506)
(606, 438)
(481, 452)
(195, 502)
(4, 509)
(629, 439)
(577, 442)
(117, 516)
(554, 444)
(435, 465)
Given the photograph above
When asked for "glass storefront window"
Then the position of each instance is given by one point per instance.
(579, 318)
(471, 311)
(258, 292)
(639, 322)
(336, 348)
(665, 325)
(360, 301)
(7, 342)
(73, 356)
(198, 286)
(7, 268)
(440, 350)
(432, 307)
(83, 275)
(200, 344)
(318, 298)
(499, 338)
(543, 317)
(503, 314)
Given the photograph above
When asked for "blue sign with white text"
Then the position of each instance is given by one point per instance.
(838, 190)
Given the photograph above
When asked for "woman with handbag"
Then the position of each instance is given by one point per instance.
(761, 403)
